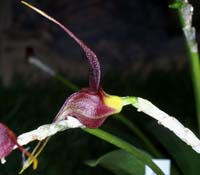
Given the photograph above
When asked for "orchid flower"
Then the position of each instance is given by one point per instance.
(90, 105)
(8, 141)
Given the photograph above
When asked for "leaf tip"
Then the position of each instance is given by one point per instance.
(91, 163)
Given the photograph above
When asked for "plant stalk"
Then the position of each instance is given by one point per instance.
(185, 13)
(133, 128)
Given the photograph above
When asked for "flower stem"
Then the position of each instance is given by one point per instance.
(125, 146)
(185, 13)
(167, 121)
(195, 71)
(132, 127)
(48, 130)
(66, 82)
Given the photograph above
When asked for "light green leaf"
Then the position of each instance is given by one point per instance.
(120, 162)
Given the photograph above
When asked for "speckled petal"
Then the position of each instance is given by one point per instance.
(6, 141)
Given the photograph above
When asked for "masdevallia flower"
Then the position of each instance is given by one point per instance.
(91, 105)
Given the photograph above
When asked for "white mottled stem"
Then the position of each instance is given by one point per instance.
(47, 130)
(169, 122)
(36, 62)
(188, 29)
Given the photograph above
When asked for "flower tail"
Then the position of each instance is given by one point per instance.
(94, 78)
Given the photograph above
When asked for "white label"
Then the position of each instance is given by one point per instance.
(163, 164)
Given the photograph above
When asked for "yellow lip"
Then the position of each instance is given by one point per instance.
(114, 102)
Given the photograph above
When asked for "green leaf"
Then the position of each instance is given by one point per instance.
(120, 162)
(187, 160)
(140, 155)
(177, 5)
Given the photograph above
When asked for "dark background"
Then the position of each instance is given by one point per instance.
(141, 50)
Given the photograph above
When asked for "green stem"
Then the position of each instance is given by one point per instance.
(192, 50)
(66, 82)
(146, 159)
(195, 71)
(137, 131)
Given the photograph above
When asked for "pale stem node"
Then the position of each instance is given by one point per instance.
(189, 31)
(169, 122)
(47, 130)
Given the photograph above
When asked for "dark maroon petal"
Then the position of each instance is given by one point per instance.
(6, 141)
(87, 106)
(90, 122)
(94, 78)
(95, 72)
